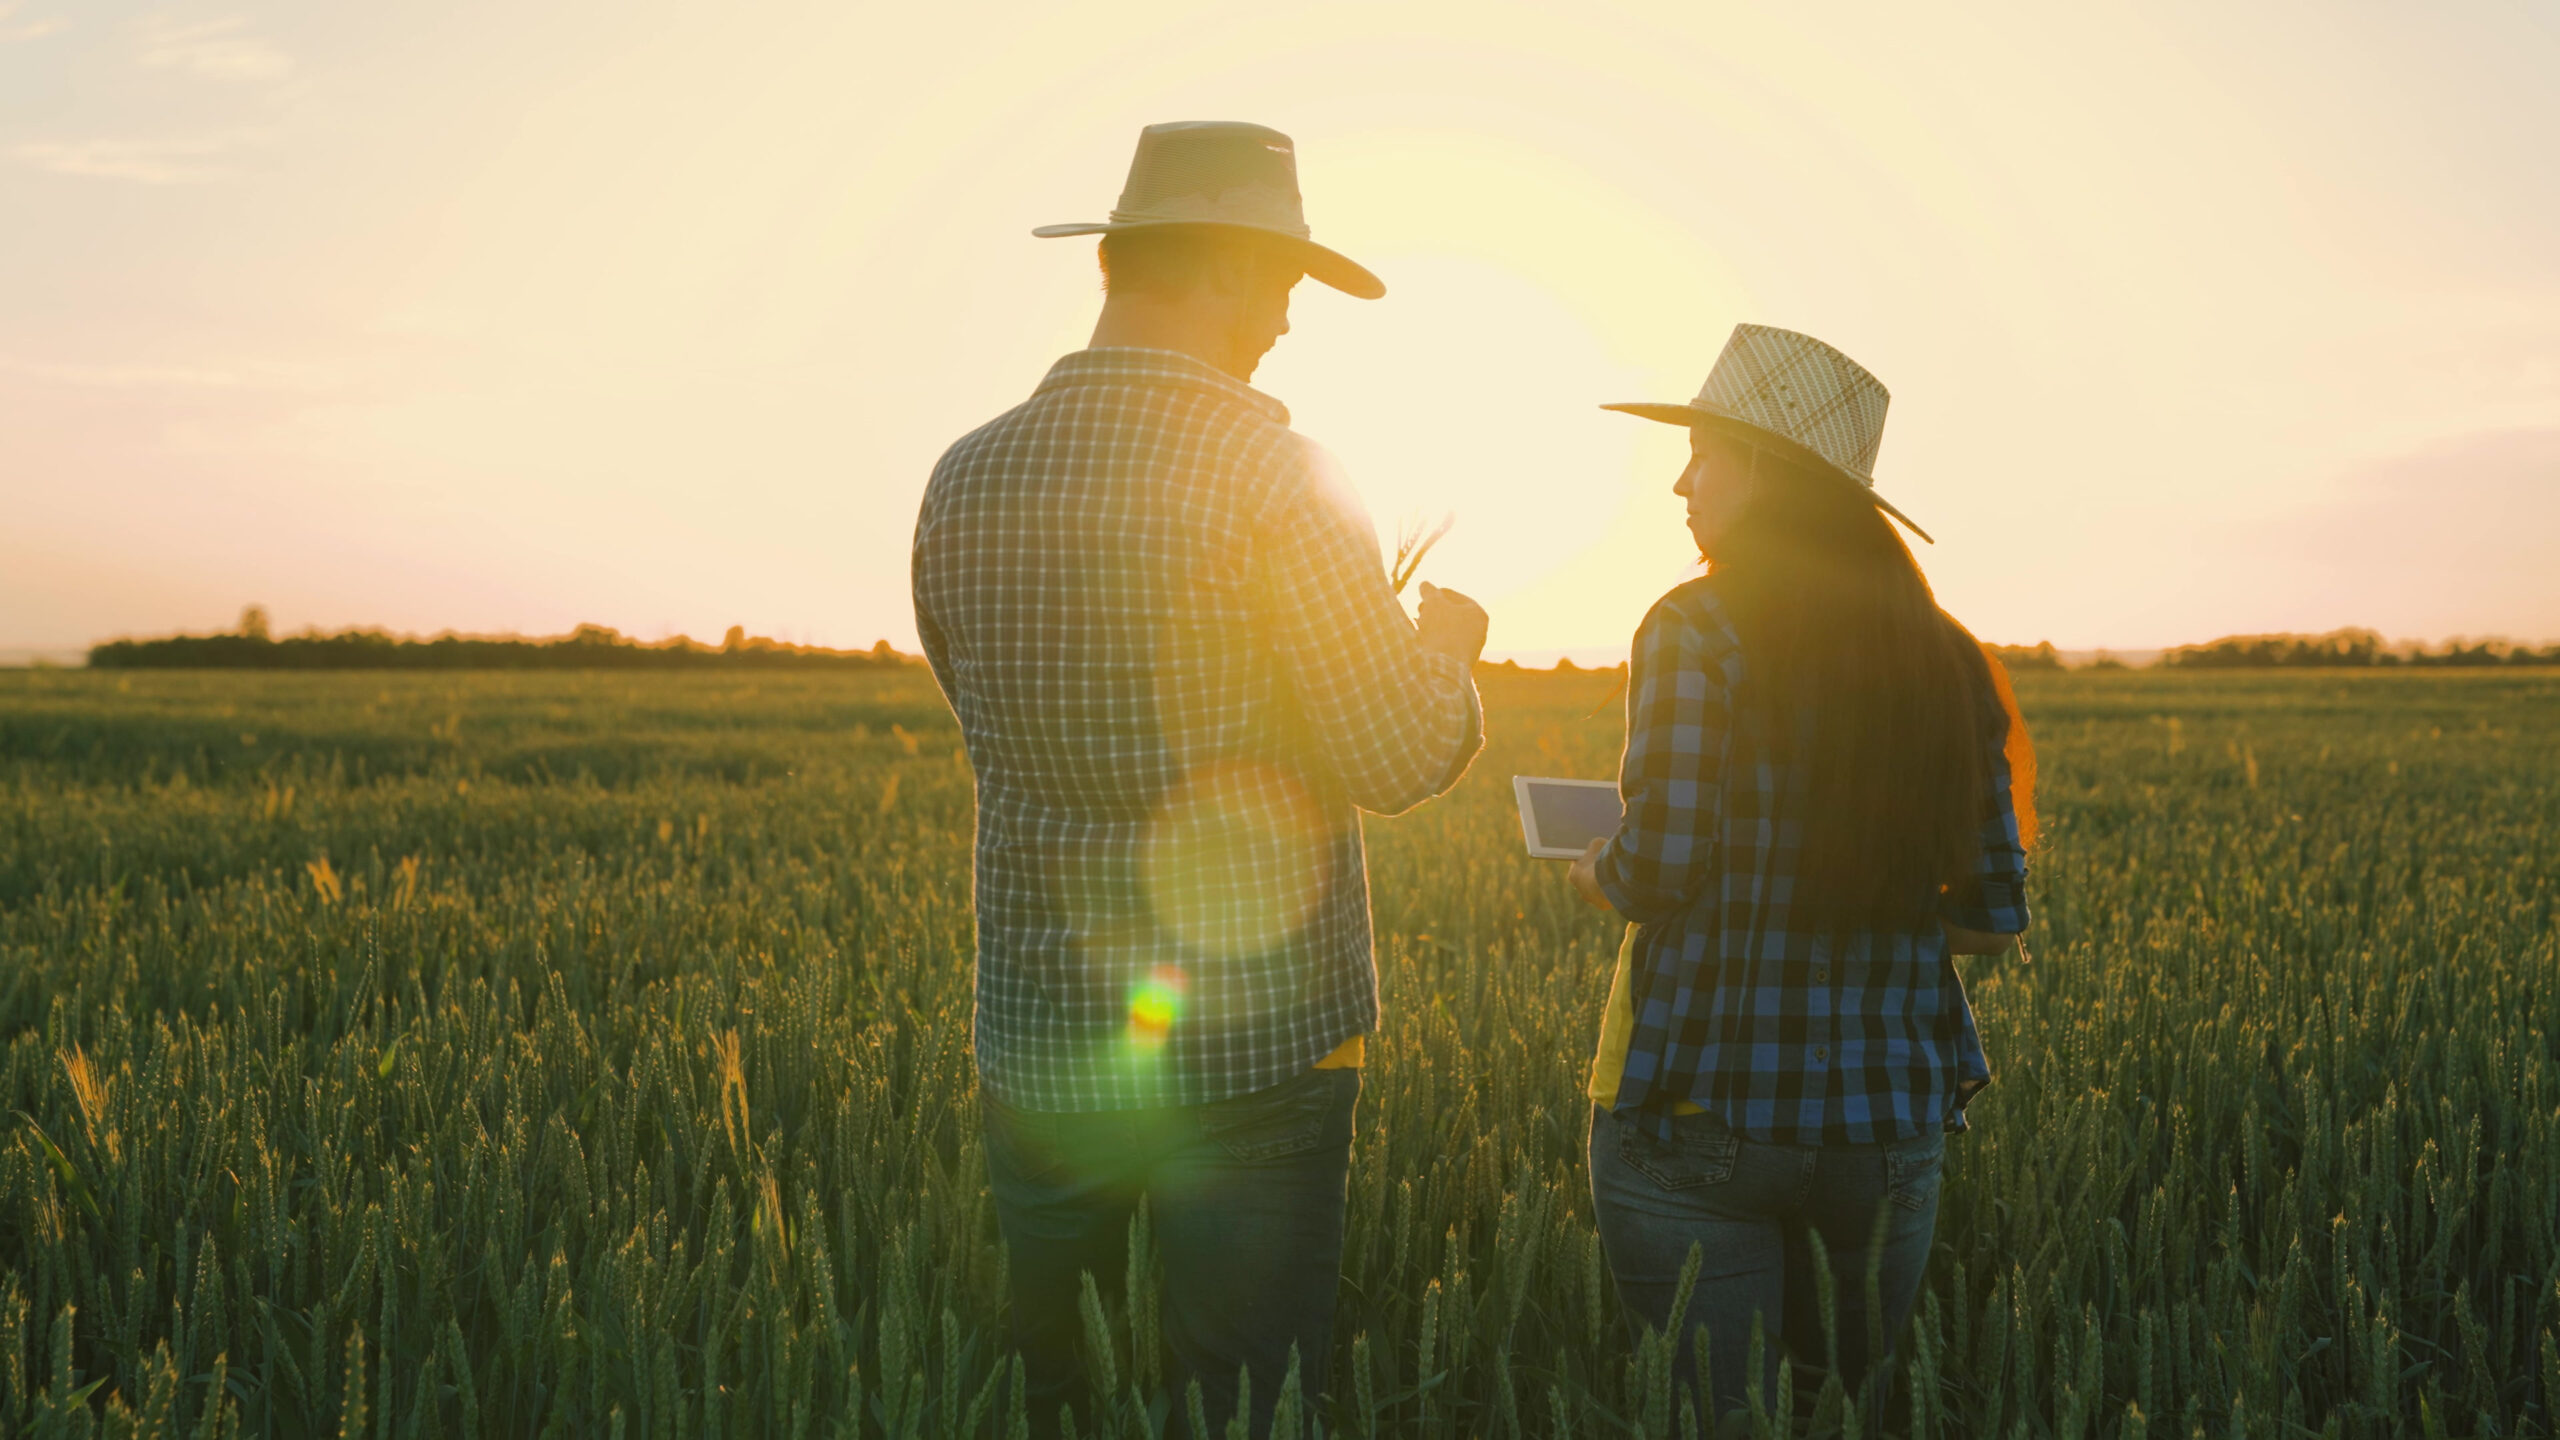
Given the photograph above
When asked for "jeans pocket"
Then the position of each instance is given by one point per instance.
(1298, 1116)
(1912, 1169)
(1023, 1146)
(1701, 1151)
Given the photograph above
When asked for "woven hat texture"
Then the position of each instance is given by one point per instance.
(1783, 386)
(1796, 386)
(1223, 172)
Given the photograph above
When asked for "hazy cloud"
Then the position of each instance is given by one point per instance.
(2453, 539)
(125, 377)
(13, 29)
(219, 49)
(244, 374)
(216, 49)
(148, 162)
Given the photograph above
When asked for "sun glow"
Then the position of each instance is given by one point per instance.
(1525, 292)
(661, 322)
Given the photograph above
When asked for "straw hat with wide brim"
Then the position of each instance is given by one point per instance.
(1227, 175)
(1797, 396)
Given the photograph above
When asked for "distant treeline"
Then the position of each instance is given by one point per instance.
(2342, 649)
(589, 647)
(596, 647)
(2028, 657)
(2339, 649)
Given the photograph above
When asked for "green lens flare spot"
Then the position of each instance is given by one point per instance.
(1154, 1006)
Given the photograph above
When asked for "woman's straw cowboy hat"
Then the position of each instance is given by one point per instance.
(1227, 174)
(1797, 396)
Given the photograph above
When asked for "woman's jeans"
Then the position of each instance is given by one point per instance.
(1750, 1207)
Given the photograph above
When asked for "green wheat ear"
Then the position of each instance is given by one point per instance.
(1412, 543)
(480, 1158)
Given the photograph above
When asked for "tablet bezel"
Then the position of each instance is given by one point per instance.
(1529, 812)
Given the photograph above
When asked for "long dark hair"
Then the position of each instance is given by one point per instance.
(1880, 698)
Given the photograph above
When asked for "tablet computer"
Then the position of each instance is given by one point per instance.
(1560, 818)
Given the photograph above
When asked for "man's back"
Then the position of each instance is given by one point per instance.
(1179, 673)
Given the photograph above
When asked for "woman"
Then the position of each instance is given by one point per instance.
(1819, 813)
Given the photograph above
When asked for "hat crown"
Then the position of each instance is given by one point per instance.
(1798, 387)
(1224, 172)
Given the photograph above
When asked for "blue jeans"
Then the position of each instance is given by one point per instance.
(1245, 1198)
(1749, 1206)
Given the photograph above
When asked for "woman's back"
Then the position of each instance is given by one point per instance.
(1751, 996)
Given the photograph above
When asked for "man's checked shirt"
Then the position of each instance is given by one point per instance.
(1180, 674)
(1792, 1034)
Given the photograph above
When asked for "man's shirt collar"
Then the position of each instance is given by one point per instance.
(1130, 365)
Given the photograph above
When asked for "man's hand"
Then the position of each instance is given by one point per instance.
(1585, 875)
(1451, 624)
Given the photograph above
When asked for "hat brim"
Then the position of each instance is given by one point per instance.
(1330, 266)
(1693, 416)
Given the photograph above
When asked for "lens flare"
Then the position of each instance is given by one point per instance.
(1154, 1007)
(1233, 860)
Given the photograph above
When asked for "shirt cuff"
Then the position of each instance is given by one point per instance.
(1999, 919)
(1622, 896)
(1471, 740)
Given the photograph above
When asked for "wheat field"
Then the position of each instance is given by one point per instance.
(530, 1054)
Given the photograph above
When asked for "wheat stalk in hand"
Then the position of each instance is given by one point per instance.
(1412, 543)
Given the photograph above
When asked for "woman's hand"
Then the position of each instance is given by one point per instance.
(1585, 875)
(1961, 941)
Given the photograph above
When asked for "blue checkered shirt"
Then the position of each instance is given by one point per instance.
(1792, 1034)
(1181, 675)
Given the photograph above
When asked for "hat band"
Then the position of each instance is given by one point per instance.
(1259, 206)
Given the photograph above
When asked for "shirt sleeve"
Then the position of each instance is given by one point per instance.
(1994, 899)
(1672, 778)
(936, 655)
(929, 636)
(1395, 723)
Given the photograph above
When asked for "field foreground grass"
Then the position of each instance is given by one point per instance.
(523, 1054)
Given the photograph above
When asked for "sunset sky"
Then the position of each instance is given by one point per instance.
(2198, 319)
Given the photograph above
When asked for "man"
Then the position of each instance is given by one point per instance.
(1180, 674)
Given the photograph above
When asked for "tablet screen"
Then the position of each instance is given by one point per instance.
(1560, 818)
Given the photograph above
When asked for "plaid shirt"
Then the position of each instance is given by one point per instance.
(1792, 1035)
(1181, 675)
